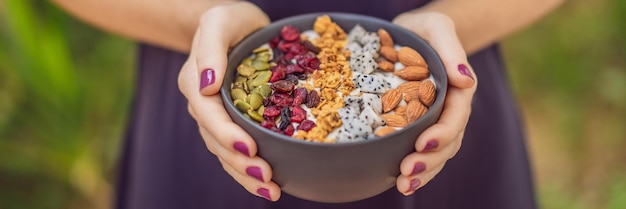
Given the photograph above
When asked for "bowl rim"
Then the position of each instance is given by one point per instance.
(441, 89)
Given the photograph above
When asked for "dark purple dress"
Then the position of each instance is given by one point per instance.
(165, 163)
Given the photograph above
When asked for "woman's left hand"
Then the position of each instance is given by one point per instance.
(440, 142)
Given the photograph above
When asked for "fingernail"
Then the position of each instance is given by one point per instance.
(255, 172)
(413, 185)
(264, 193)
(465, 71)
(432, 144)
(207, 78)
(418, 168)
(241, 147)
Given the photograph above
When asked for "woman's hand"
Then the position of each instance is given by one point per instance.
(200, 80)
(441, 141)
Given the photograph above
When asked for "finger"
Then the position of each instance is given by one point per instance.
(268, 190)
(209, 111)
(453, 120)
(439, 31)
(408, 185)
(217, 35)
(251, 166)
(417, 162)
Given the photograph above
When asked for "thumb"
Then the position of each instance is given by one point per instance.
(211, 59)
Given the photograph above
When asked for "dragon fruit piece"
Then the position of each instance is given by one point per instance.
(354, 48)
(348, 113)
(354, 130)
(356, 33)
(373, 119)
(364, 63)
(370, 42)
(370, 83)
(372, 100)
(352, 101)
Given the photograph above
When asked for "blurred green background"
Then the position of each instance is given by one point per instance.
(65, 90)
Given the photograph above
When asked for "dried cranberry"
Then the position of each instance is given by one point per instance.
(289, 130)
(278, 55)
(293, 78)
(299, 96)
(311, 47)
(267, 102)
(314, 63)
(281, 99)
(268, 124)
(282, 86)
(290, 33)
(286, 46)
(301, 76)
(306, 125)
(274, 42)
(298, 114)
(278, 73)
(312, 100)
(272, 111)
(291, 69)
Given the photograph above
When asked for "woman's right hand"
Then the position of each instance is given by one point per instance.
(200, 80)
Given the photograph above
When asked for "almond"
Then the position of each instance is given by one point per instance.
(410, 90)
(415, 110)
(413, 73)
(385, 38)
(386, 66)
(410, 57)
(391, 99)
(400, 110)
(389, 53)
(427, 93)
(394, 120)
(384, 131)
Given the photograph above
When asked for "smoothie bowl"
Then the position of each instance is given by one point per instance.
(334, 101)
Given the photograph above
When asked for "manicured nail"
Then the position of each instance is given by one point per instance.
(413, 185)
(264, 193)
(432, 144)
(418, 168)
(465, 71)
(255, 172)
(241, 147)
(207, 78)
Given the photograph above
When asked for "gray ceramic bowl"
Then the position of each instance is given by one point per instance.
(343, 172)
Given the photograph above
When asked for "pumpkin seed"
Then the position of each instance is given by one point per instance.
(247, 116)
(264, 57)
(265, 90)
(260, 49)
(261, 110)
(242, 106)
(259, 65)
(238, 86)
(238, 94)
(255, 116)
(262, 78)
(240, 79)
(245, 70)
(247, 61)
(255, 100)
(250, 83)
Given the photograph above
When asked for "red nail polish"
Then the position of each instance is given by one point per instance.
(430, 145)
(418, 168)
(463, 69)
(207, 78)
(255, 172)
(264, 193)
(241, 147)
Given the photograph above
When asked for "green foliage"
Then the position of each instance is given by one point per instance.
(64, 94)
